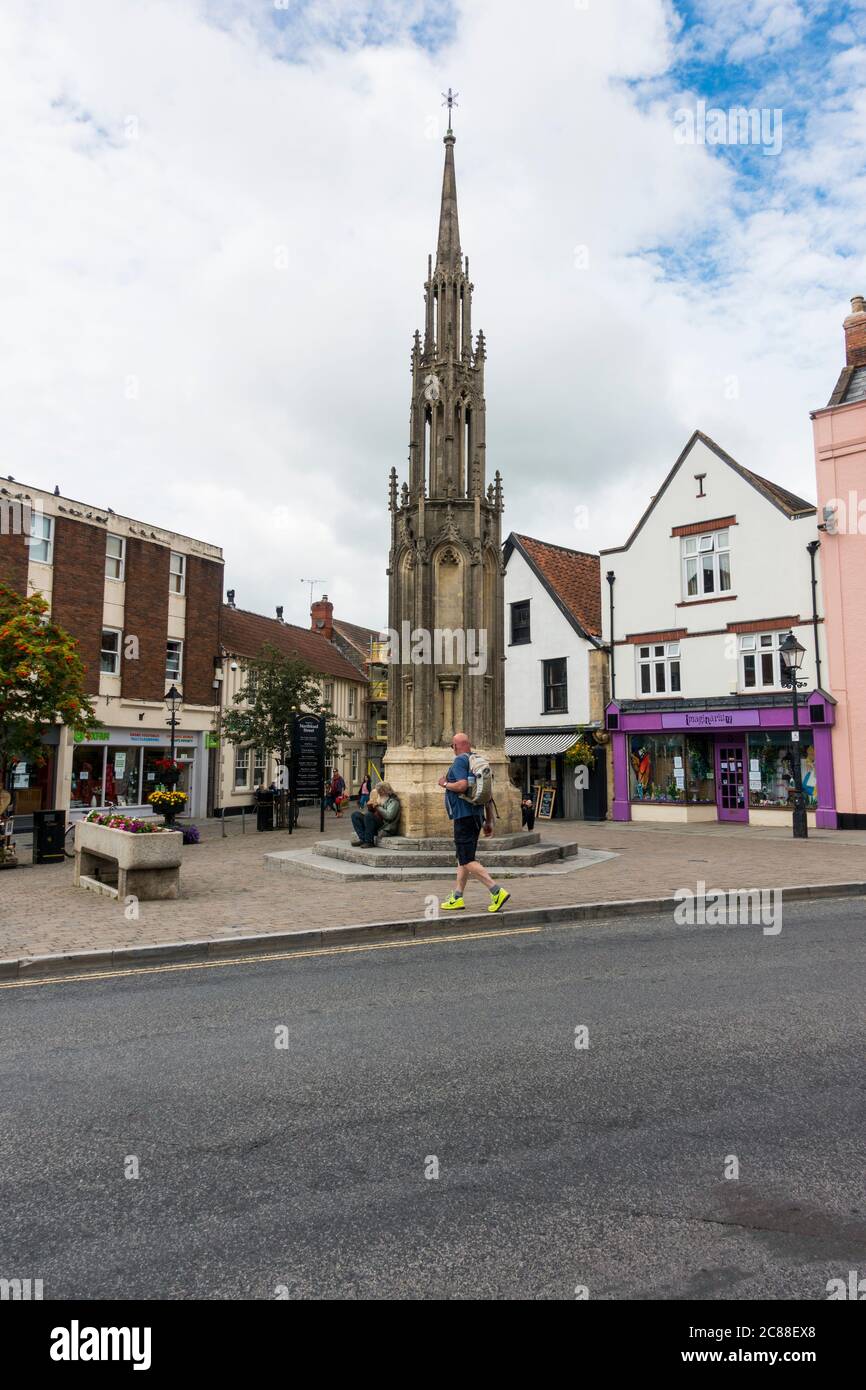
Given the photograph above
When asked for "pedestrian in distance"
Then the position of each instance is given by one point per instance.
(336, 793)
(468, 787)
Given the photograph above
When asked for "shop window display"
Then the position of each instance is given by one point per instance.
(658, 769)
(771, 770)
(700, 771)
(88, 765)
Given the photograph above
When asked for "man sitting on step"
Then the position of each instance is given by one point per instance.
(381, 814)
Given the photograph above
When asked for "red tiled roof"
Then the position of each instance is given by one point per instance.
(244, 634)
(574, 575)
(360, 637)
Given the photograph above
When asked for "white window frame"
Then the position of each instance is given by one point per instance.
(104, 651)
(242, 765)
(119, 560)
(356, 766)
(353, 702)
(659, 659)
(170, 675)
(328, 698)
(177, 574)
(716, 545)
(46, 538)
(754, 645)
(260, 766)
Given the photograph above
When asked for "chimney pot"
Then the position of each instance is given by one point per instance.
(322, 617)
(855, 333)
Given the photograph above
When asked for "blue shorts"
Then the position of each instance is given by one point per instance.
(466, 832)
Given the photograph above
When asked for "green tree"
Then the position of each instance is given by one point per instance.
(277, 687)
(41, 680)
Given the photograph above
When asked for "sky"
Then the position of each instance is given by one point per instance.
(217, 217)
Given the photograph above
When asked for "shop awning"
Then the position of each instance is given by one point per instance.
(539, 745)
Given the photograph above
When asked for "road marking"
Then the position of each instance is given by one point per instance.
(256, 959)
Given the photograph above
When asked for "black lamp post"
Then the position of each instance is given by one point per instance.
(172, 699)
(792, 654)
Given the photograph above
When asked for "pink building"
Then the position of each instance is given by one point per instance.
(840, 465)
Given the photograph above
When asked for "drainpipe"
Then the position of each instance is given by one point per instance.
(611, 579)
(812, 548)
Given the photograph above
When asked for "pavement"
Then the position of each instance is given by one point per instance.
(226, 891)
(431, 1130)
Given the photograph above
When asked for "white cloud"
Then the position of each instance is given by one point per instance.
(241, 240)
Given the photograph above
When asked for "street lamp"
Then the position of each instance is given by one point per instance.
(791, 654)
(172, 699)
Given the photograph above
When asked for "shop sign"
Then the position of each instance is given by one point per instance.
(211, 740)
(709, 719)
(92, 736)
(149, 736)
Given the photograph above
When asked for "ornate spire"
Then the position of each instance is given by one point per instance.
(448, 248)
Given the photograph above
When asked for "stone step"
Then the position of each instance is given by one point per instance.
(528, 857)
(446, 842)
(308, 864)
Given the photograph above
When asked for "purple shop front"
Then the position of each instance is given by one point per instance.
(727, 763)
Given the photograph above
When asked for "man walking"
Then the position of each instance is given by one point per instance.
(468, 821)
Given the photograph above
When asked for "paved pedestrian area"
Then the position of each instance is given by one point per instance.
(226, 890)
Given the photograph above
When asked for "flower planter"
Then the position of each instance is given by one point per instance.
(145, 866)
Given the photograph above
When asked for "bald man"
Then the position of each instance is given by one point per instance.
(468, 821)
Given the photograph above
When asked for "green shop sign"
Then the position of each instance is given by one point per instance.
(93, 736)
(211, 740)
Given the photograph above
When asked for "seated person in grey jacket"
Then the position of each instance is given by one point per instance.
(380, 816)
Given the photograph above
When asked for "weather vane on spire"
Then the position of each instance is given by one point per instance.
(450, 101)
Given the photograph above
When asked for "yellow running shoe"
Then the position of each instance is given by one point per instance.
(498, 900)
(452, 904)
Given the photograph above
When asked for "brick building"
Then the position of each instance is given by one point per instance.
(365, 648)
(144, 605)
(343, 685)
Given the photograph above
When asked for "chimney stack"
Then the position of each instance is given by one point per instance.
(322, 617)
(855, 333)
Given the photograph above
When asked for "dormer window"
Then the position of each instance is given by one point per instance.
(706, 565)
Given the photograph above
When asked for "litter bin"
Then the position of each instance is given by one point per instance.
(49, 831)
(265, 810)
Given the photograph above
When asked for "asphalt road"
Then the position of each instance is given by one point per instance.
(302, 1169)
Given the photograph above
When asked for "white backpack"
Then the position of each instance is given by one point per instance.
(480, 791)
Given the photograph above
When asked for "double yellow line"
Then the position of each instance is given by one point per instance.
(256, 959)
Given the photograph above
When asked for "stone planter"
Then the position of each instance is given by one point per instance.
(145, 866)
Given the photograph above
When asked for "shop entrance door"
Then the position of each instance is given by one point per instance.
(731, 800)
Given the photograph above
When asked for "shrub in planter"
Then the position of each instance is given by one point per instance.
(191, 834)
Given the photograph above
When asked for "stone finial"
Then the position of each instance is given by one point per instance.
(392, 490)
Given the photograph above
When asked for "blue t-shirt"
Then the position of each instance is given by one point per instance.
(454, 804)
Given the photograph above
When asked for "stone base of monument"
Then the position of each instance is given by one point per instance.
(414, 774)
(523, 854)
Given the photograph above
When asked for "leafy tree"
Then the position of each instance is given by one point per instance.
(276, 688)
(41, 680)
